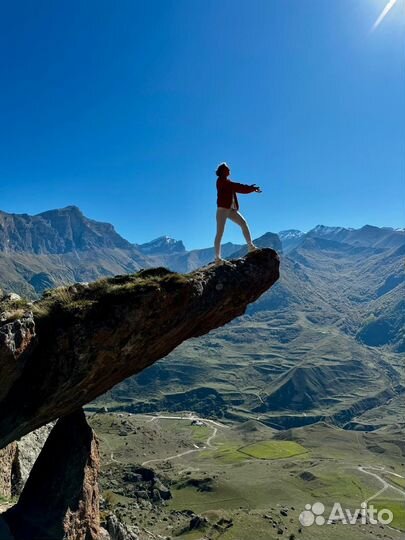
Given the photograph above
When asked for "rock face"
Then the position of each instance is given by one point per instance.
(28, 449)
(139, 482)
(61, 247)
(74, 345)
(83, 340)
(7, 459)
(56, 231)
(120, 531)
(17, 460)
(60, 498)
(16, 338)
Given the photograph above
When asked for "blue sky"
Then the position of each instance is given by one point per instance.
(125, 109)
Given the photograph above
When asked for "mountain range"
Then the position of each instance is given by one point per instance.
(64, 246)
(327, 342)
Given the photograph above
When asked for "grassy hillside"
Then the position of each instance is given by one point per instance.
(238, 481)
(324, 343)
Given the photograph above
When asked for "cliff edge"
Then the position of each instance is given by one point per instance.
(77, 342)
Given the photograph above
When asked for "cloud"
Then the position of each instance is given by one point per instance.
(384, 12)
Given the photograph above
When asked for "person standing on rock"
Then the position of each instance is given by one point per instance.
(228, 208)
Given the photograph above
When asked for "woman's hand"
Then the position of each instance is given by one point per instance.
(257, 188)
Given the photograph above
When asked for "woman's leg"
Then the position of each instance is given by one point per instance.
(237, 217)
(222, 214)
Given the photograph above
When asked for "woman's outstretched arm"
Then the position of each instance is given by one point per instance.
(245, 188)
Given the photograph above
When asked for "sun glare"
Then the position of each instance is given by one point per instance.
(384, 13)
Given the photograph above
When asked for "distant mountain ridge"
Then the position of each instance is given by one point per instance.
(290, 238)
(369, 235)
(63, 246)
(67, 229)
(58, 247)
(162, 245)
(56, 231)
(334, 324)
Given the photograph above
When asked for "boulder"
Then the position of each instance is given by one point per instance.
(60, 500)
(118, 530)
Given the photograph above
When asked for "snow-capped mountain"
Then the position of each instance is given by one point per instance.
(367, 236)
(290, 238)
(163, 245)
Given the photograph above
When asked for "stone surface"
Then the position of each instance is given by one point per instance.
(107, 334)
(28, 449)
(16, 338)
(60, 500)
(120, 531)
(17, 460)
(7, 459)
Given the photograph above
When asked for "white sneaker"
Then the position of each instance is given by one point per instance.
(252, 247)
(219, 261)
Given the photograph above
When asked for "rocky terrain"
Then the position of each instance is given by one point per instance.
(77, 342)
(234, 480)
(17, 459)
(323, 348)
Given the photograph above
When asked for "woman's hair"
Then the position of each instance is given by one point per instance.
(221, 167)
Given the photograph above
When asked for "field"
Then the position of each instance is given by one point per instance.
(248, 480)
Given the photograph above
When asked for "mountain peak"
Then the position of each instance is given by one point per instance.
(290, 233)
(57, 231)
(70, 209)
(163, 245)
(290, 238)
(325, 229)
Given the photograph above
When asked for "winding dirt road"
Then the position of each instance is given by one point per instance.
(386, 485)
(208, 442)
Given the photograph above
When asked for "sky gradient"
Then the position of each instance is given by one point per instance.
(126, 108)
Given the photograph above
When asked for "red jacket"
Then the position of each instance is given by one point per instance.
(227, 189)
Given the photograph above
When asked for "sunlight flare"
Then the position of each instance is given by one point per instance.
(384, 12)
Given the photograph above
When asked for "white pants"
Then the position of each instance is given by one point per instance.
(234, 215)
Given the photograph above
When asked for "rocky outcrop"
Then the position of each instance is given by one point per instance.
(141, 483)
(7, 459)
(83, 340)
(60, 497)
(15, 340)
(28, 449)
(18, 458)
(118, 530)
(74, 345)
